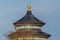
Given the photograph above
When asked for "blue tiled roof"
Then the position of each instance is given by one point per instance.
(29, 18)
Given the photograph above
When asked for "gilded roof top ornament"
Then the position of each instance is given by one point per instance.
(29, 7)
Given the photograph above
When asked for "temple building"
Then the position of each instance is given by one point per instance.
(28, 28)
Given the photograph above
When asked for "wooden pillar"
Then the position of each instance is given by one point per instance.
(15, 27)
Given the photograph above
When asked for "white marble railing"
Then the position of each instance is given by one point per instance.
(29, 27)
(32, 39)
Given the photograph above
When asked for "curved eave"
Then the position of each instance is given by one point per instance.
(31, 23)
(31, 35)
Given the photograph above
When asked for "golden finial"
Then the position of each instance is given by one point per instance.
(29, 7)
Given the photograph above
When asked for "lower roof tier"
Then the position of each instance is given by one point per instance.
(29, 33)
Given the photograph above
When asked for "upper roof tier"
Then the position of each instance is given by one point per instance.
(29, 18)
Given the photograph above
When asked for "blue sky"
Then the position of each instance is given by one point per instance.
(45, 10)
